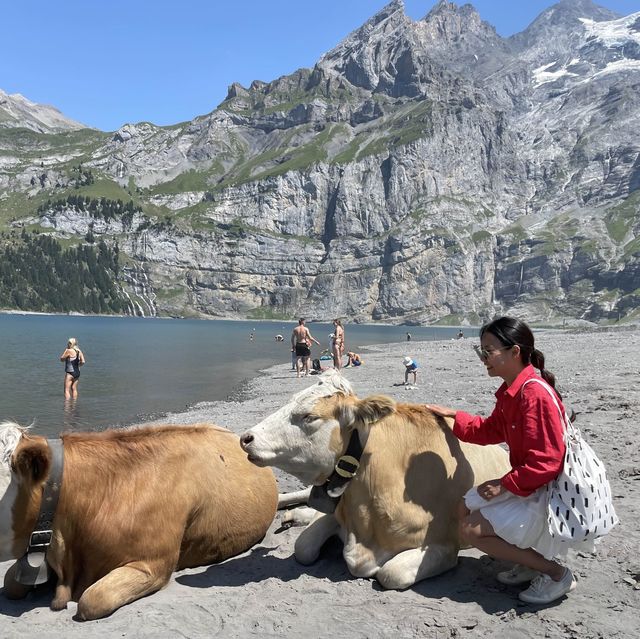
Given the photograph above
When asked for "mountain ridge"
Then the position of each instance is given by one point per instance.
(423, 170)
(18, 111)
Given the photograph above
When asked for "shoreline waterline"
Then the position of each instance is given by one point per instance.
(142, 370)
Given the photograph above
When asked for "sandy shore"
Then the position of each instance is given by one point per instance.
(265, 593)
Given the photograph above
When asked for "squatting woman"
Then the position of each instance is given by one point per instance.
(506, 517)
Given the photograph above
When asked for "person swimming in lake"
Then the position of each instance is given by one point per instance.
(73, 358)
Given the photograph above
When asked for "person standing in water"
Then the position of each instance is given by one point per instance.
(73, 358)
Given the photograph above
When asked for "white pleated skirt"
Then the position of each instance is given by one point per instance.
(522, 521)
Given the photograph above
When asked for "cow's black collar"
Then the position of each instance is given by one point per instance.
(325, 497)
(32, 568)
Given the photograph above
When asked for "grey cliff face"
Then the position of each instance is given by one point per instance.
(421, 171)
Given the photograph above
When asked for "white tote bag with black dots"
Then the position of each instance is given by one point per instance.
(580, 505)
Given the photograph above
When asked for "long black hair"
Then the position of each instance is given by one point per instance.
(510, 331)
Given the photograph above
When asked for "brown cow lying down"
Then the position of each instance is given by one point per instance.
(134, 506)
(398, 516)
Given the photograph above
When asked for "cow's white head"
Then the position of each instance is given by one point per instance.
(306, 435)
(10, 435)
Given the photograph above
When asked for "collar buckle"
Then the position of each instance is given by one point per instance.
(347, 466)
(40, 539)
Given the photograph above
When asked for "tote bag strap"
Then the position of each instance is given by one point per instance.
(571, 430)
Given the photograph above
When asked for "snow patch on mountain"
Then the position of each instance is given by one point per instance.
(618, 66)
(614, 33)
(541, 75)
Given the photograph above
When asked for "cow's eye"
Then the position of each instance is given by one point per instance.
(305, 419)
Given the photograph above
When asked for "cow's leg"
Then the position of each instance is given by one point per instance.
(300, 516)
(12, 589)
(120, 587)
(291, 499)
(411, 566)
(312, 538)
(361, 560)
(62, 596)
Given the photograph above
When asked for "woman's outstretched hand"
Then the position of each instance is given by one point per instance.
(443, 411)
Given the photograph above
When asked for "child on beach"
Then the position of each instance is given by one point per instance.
(353, 359)
(506, 517)
(410, 368)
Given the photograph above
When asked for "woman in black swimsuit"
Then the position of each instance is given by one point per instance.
(73, 359)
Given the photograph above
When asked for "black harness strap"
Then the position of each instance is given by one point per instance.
(325, 497)
(32, 568)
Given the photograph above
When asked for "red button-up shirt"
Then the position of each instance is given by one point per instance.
(529, 422)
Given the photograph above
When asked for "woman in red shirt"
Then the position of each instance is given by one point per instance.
(506, 517)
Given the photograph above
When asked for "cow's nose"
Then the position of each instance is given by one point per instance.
(246, 439)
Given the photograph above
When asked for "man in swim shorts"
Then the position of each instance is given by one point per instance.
(301, 340)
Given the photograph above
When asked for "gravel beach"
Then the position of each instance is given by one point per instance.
(265, 593)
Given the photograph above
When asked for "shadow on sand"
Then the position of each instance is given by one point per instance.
(471, 581)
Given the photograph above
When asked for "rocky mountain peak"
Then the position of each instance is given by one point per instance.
(383, 24)
(558, 29)
(18, 112)
(568, 12)
(454, 20)
(364, 55)
(394, 8)
(448, 23)
(459, 38)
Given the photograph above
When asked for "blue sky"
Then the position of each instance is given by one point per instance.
(107, 62)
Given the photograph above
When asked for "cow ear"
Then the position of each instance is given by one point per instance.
(365, 411)
(32, 459)
(371, 409)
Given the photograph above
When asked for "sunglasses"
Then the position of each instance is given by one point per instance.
(484, 354)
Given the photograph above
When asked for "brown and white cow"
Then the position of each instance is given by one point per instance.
(134, 506)
(398, 517)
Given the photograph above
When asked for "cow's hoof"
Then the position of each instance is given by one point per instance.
(58, 604)
(395, 575)
(394, 582)
(83, 613)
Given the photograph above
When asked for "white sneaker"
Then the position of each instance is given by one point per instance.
(544, 590)
(517, 575)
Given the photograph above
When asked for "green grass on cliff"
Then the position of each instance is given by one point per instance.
(283, 158)
(32, 144)
(405, 126)
(266, 313)
(188, 181)
(621, 218)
